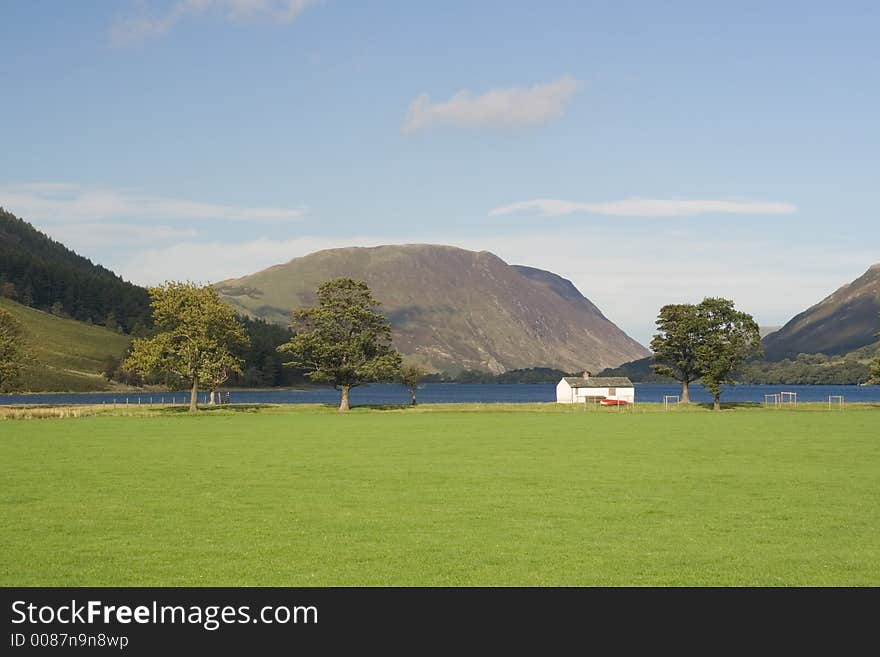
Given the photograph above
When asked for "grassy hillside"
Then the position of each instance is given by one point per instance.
(66, 355)
(305, 496)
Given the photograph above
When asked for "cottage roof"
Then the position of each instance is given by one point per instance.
(599, 382)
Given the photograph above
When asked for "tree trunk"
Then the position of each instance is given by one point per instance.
(717, 405)
(211, 400)
(194, 396)
(412, 394)
(685, 393)
(343, 401)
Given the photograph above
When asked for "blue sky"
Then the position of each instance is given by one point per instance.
(650, 152)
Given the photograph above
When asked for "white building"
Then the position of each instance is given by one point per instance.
(578, 389)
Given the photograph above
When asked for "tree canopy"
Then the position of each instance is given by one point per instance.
(728, 338)
(708, 341)
(675, 345)
(262, 361)
(875, 373)
(410, 375)
(11, 352)
(874, 378)
(343, 340)
(198, 338)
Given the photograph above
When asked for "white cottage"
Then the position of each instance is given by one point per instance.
(577, 389)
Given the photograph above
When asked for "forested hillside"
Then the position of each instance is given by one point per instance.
(39, 272)
(805, 369)
(263, 363)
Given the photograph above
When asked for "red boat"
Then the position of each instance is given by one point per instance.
(613, 402)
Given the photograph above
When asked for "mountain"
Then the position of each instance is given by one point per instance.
(64, 354)
(842, 322)
(452, 309)
(638, 371)
(40, 272)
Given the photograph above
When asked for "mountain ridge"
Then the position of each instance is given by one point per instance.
(845, 320)
(450, 308)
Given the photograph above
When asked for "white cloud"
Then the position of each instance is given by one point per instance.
(88, 237)
(137, 28)
(645, 207)
(66, 202)
(47, 188)
(512, 107)
(292, 9)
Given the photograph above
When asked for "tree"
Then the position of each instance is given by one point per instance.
(675, 346)
(8, 290)
(110, 321)
(875, 373)
(11, 352)
(874, 377)
(727, 338)
(27, 297)
(197, 339)
(111, 367)
(410, 375)
(342, 340)
(217, 372)
(269, 370)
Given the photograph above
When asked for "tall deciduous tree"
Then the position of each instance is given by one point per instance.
(728, 338)
(343, 340)
(11, 351)
(675, 345)
(410, 375)
(197, 340)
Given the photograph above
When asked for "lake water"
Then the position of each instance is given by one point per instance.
(444, 393)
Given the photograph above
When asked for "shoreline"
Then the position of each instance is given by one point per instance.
(159, 410)
(495, 395)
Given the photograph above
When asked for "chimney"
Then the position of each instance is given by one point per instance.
(586, 374)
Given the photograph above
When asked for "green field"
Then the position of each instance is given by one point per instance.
(442, 495)
(65, 355)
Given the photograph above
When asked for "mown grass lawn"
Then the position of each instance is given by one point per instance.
(303, 496)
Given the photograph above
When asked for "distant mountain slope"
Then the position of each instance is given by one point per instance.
(807, 369)
(452, 309)
(638, 371)
(66, 355)
(560, 286)
(842, 322)
(40, 272)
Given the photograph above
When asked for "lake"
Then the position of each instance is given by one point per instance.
(447, 393)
